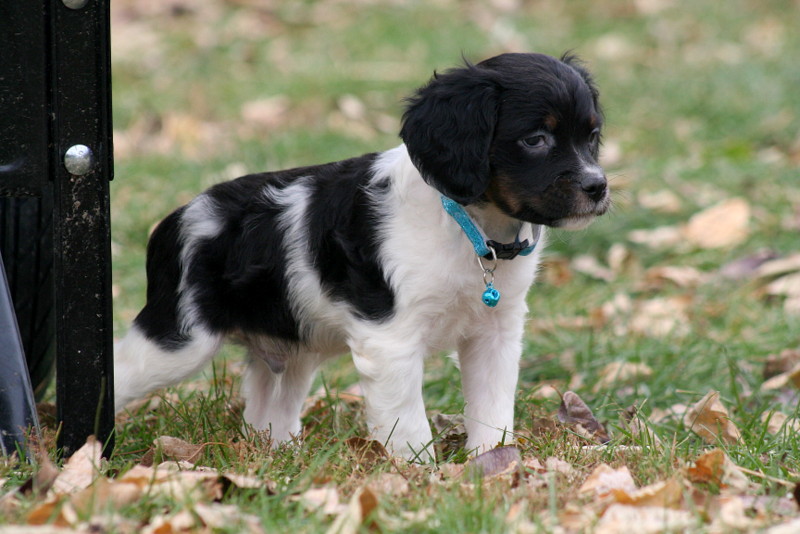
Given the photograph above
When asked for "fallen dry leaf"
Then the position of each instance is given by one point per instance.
(682, 276)
(714, 467)
(81, 469)
(574, 411)
(747, 266)
(792, 527)
(787, 379)
(774, 267)
(591, 267)
(393, 484)
(366, 450)
(663, 237)
(182, 521)
(619, 518)
(557, 465)
(777, 421)
(658, 317)
(105, 495)
(617, 373)
(605, 478)
(358, 511)
(661, 317)
(731, 514)
(629, 418)
(776, 364)
(223, 516)
(178, 480)
(662, 494)
(725, 224)
(324, 499)
(498, 461)
(708, 418)
(662, 201)
(178, 449)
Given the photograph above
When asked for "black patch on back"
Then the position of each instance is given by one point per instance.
(239, 278)
(343, 230)
(159, 318)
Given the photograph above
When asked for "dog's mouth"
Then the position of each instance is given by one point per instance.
(585, 215)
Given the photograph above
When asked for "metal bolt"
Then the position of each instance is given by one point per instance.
(79, 160)
(75, 4)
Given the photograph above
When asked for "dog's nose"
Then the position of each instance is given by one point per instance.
(594, 184)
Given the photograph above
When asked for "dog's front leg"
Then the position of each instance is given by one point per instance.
(489, 370)
(396, 417)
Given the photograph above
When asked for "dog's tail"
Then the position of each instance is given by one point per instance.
(162, 346)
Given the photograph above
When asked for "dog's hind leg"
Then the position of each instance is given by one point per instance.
(274, 390)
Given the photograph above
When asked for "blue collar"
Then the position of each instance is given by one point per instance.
(483, 247)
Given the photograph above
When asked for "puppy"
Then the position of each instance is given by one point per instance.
(376, 256)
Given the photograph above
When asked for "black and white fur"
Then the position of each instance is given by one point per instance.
(358, 255)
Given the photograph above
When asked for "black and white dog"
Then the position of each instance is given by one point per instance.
(376, 255)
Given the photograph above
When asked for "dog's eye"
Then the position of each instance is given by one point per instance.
(594, 136)
(535, 141)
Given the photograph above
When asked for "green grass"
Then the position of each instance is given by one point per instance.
(700, 99)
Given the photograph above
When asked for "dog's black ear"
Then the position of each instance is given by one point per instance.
(448, 127)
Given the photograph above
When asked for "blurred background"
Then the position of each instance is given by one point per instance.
(702, 148)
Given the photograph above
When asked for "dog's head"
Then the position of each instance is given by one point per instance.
(519, 130)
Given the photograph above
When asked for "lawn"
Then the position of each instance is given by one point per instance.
(690, 286)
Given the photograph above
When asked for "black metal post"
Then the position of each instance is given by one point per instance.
(82, 168)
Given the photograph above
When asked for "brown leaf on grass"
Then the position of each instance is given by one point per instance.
(358, 512)
(223, 516)
(451, 433)
(182, 521)
(498, 461)
(620, 518)
(44, 477)
(725, 224)
(366, 451)
(105, 495)
(663, 494)
(54, 511)
(177, 449)
(324, 499)
(81, 469)
(777, 421)
(681, 276)
(776, 364)
(775, 267)
(657, 317)
(662, 201)
(730, 513)
(574, 411)
(557, 465)
(393, 484)
(709, 419)
(604, 479)
(661, 317)
(617, 373)
(747, 266)
(637, 427)
(790, 378)
(663, 237)
(590, 266)
(715, 468)
(178, 480)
